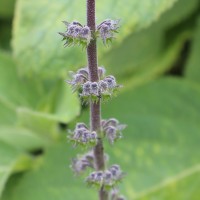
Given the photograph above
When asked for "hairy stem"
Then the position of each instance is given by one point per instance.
(95, 108)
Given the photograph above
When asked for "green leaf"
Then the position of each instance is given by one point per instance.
(60, 103)
(5, 34)
(160, 145)
(21, 138)
(38, 122)
(192, 71)
(173, 188)
(11, 160)
(6, 8)
(35, 33)
(13, 90)
(161, 138)
(54, 177)
(148, 53)
(54, 100)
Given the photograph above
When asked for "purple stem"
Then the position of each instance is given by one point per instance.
(95, 108)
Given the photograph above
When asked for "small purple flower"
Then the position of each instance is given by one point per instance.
(81, 125)
(103, 86)
(76, 34)
(111, 81)
(99, 176)
(116, 196)
(110, 122)
(94, 88)
(107, 29)
(111, 134)
(86, 88)
(83, 71)
(93, 135)
(112, 129)
(77, 79)
(85, 33)
(105, 33)
(101, 72)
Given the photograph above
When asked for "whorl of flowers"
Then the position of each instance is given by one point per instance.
(109, 178)
(82, 136)
(105, 88)
(107, 29)
(76, 34)
(102, 89)
(81, 163)
(112, 129)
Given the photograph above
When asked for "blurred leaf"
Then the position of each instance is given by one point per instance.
(54, 177)
(5, 34)
(21, 138)
(60, 102)
(161, 140)
(188, 181)
(16, 93)
(38, 122)
(35, 30)
(152, 51)
(160, 144)
(6, 8)
(11, 159)
(192, 70)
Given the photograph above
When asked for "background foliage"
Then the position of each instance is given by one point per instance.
(156, 58)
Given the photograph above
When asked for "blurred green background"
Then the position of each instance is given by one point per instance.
(157, 59)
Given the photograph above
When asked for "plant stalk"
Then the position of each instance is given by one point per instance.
(95, 108)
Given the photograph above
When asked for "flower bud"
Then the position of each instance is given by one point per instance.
(78, 133)
(86, 88)
(76, 80)
(99, 176)
(76, 34)
(93, 135)
(111, 122)
(110, 80)
(81, 125)
(83, 71)
(116, 196)
(111, 133)
(107, 29)
(103, 86)
(94, 88)
(76, 23)
(101, 71)
(108, 178)
(85, 33)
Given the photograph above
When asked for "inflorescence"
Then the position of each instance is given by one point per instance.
(110, 128)
(82, 136)
(109, 178)
(107, 29)
(105, 88)
(78, 34)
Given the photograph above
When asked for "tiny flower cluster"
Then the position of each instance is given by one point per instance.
(104, 88)
(112, 129)
(107, 29)
(109, 178)
(76, 34)
(82, 136)
(116, 196)
(81, 163)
